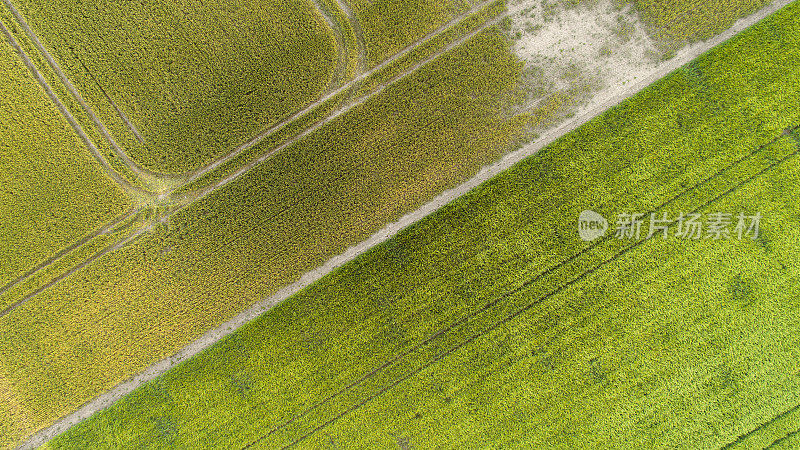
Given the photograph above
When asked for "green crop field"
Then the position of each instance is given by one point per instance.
(51, 190)
(491, 324)
(195, 78)
(487, 324)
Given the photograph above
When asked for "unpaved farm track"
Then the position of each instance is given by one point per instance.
(356, 25)
(108, 249)
(116, 177)
(193, 176)
(131, 164)
(340, 70)
(67, 250)
(108, 398)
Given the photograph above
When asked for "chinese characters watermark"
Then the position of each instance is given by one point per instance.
(635, 226)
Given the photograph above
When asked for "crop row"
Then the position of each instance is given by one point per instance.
(604, 339)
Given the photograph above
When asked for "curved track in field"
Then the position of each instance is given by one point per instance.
(129, 188)
(344, 6)
(145, 174)
(339, 75)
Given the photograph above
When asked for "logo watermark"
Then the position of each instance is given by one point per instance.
(716, 226)
(591, 225)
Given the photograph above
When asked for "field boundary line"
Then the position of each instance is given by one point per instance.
(119, 151)
(109, 397)
(621, 253)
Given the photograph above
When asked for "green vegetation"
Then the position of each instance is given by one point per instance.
(195, 78)
(675, 22)
(51, 190)
(330, 190)
(491, 324)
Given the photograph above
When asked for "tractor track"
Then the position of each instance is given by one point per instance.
(202, 193)
(363, 62)
(340, 70)
(131, 164)
(105, 229)
(108, 249)
(129, 188)
(194, 175)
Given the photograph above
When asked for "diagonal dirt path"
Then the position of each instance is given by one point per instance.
(108, 398)
(455, 21)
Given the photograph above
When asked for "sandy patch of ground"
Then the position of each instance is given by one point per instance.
(587, 52)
